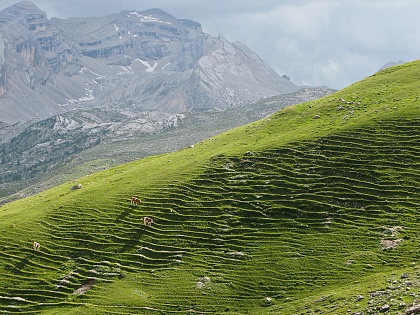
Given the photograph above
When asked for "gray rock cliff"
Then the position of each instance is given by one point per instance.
(147, 60)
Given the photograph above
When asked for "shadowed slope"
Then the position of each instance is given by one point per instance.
(300, 212)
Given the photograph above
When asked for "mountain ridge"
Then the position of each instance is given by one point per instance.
(145, 59)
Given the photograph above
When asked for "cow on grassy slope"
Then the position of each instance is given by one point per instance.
(37, 246)
(135, 201)
(147, 221)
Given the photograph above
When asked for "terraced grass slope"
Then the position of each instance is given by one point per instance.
(314, 209)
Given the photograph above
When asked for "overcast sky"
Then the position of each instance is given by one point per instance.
(315, 42)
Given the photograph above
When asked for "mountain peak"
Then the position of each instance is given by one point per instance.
(65, 63)
(36, 19)
(25, 7)
(391, 64)
(157, 11)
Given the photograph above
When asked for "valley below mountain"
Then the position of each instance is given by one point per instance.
(76, 143)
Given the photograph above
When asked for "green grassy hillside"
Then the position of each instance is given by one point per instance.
(312, 210)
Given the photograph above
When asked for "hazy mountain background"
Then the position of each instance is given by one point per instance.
(145, 60)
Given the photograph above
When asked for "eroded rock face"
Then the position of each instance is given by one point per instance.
(146, 59)
(2, 69)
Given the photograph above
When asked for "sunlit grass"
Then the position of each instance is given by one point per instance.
(286, 215)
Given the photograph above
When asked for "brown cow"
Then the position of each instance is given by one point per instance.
(135, 201)
(147, 221)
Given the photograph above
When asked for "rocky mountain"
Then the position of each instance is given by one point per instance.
(146, 60)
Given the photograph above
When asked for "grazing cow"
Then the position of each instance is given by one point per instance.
(37, 246)
(78, 186)
(147, 221)
(135, 201)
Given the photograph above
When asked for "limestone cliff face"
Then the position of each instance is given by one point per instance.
(2, 69)
(230, 75)
(149, 60)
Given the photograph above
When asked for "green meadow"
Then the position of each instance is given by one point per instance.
(312, 210)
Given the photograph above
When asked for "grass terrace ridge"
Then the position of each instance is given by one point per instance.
(314, 209)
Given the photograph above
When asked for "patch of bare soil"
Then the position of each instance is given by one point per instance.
(85, 287)
(390, 240)
(392, 231)
(389, 244)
